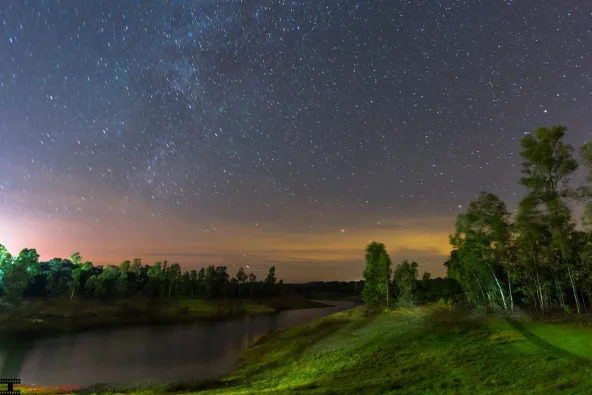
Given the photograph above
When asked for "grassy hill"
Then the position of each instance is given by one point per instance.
(427, 350)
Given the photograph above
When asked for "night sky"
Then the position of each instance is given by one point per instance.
(274, 132)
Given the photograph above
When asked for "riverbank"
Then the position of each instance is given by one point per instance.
(430, 349)
(54, 316)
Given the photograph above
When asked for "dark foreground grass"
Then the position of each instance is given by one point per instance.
(429, 350)
(54, 316)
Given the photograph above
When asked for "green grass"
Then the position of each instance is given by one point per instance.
(49, 316)
(427, 350)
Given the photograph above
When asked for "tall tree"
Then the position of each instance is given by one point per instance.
(5, 265)
(377, 275)
(405, 277)
(74, 284)
(252, 284)
(20, 271)
(125, 266)
(193, 281)
(201, 282)
(210, 281)
(76, 259)
(547, 170)
(481, 238)
(271, 279)
(241, 277)
(173, 273)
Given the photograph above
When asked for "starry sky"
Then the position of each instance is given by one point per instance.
(260, 132)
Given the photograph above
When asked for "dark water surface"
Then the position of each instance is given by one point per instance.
(199, 350)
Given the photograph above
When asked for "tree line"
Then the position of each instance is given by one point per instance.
(536, 256)
(25, 276)
(402, 287)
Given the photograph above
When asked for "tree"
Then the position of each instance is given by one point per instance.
(481, 239)
(186, 284)
(377, 275)
(241, 277)
(271, 279)
(425, 281)
(122, 284)
(91, 285)
(425, 277)
(405, 277)
(106, 282)
(532, 242)
(172, 275)
(252, 283)
(5, 265)
(136, 266)
(76, 259)
(74, 284)
(201, 282)
(193, 280)
(547, 169)
(222, 280)
(125, 266)
(18, 274)
(210, 281)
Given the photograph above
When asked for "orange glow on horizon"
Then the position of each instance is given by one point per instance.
(329, 250)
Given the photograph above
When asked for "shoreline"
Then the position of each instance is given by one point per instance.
(348, 352)
(54, 317)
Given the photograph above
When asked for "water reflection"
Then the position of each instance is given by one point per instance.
(198, 350)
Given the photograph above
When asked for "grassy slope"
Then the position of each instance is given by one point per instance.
(427, 350)
(59, 315)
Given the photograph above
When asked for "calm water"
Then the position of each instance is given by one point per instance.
(199, 350)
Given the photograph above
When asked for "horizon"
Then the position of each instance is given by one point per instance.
(249, 134)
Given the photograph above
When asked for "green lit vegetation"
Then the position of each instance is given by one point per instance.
(431, 349)
(512, 331)
(70, 294)
(512, 316)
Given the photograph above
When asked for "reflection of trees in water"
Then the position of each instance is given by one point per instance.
(13, 353)
(202, 350)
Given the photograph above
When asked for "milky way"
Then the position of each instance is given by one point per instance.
(273, 131)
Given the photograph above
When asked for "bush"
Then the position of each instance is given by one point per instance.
(480, 310)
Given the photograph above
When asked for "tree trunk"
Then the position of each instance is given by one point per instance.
(499, 286)
(387, 293)
(559, 292)
(501, 291)
(481, 288)
(573, 287)
(540, 291)
(510, 292)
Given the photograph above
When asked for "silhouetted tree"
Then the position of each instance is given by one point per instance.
(377, 275)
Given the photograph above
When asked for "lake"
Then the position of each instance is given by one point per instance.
(200, 350)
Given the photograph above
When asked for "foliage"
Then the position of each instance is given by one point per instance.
(377, 275)
(539, 258)
(73, 278)
(405, 278)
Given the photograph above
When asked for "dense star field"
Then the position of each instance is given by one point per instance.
(284, 132)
